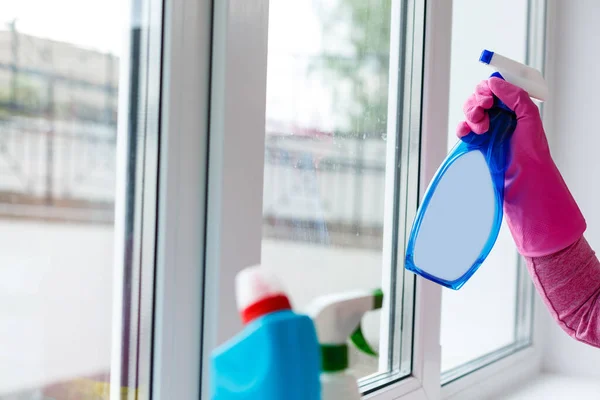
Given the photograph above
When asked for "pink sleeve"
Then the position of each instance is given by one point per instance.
(569, 283)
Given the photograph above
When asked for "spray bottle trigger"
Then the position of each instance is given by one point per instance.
(358, 339)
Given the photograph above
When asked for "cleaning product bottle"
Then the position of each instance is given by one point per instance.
(460, 216)
(337, 318)
(276, 356)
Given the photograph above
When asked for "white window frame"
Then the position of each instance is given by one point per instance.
(209, 238)
(180, 32)
(236, 162)
(180, 275)
(401, 197)
(434, 58)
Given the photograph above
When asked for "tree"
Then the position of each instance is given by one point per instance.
(355, 62)
(28, 98)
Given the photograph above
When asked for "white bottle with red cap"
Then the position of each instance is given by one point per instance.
(258, 292)
(276, 356)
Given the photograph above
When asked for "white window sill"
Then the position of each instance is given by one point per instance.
(556, 387)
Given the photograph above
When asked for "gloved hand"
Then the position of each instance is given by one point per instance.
(541, 213)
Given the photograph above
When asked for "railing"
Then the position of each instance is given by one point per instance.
(315, 191)
(324, 191)
(58, 109)
(56, 170)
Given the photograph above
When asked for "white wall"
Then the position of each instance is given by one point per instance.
(575, 140)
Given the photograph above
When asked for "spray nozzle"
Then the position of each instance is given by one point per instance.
(358, 338)
(521, 75)
(338, 317)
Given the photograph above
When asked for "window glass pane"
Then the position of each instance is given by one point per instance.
(60, 66)
(325, 150)
(480, 318)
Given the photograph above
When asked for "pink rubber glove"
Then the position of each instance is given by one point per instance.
(541, 212)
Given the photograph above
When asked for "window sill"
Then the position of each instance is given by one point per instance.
(548, 386)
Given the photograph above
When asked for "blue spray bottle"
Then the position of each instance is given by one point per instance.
(277, 354)
(460, 216)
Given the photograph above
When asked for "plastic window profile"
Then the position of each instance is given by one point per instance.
(433, 54)
(402, 192)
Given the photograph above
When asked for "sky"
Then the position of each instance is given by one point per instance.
(101, 24)
(94, 24)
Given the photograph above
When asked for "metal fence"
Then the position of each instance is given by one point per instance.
(58, 110)
(312, 192)
(325, 191)
(51, 170)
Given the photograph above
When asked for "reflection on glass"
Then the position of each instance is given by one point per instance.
(480, 318)
(325, 149)
(59, 70)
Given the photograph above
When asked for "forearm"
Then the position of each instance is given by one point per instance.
(569, 283)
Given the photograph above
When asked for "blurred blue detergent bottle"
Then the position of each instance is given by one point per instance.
(277, 354)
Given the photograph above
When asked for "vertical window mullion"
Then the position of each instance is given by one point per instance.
(236, 161)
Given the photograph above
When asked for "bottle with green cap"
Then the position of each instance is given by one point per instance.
(337, 317)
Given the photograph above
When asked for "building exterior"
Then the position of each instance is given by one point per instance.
(58, 113)
(41, 76)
